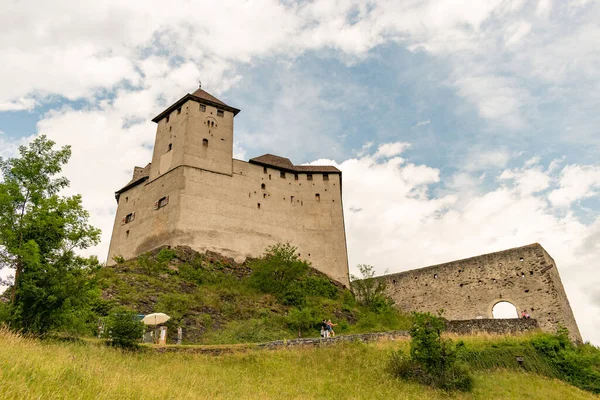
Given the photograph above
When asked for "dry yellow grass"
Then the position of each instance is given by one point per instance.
(30, 369)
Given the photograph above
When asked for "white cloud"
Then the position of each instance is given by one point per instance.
(394, 222)
(80, 52)
(18, 104)
(388, 150)
(576, 182)
(423, 123)
(478, 159)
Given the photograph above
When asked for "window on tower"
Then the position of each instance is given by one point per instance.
(202, 108)
(220, 113)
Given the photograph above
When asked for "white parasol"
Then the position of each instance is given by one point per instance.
(155, 318)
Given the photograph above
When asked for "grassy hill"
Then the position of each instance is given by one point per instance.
(31, 369)
(215, 301)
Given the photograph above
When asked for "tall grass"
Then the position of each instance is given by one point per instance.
(30, 369)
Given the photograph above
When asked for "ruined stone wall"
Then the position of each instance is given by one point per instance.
(468, 289)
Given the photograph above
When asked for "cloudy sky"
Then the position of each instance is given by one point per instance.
(461, 127)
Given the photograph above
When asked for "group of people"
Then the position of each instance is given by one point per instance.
(327, 328)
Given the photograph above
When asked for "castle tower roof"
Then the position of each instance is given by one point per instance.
(200, 96)
(270, 160)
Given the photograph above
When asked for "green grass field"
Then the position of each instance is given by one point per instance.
(30, 369)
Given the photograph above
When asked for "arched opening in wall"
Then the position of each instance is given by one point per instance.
(504, 309)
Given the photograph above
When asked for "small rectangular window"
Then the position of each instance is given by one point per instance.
(325, 177)
(317, 197)
(170, 147)
(168, 116)
(265, 170)
(258, 205)
(282, 174)
(295, 177)
(220, 113)
(309, 177)
(179, 110)
(163, 201)
(202, 108)
(128, 218)
(205, 142)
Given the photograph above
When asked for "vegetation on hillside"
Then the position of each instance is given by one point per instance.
(438, 362)
(216, 300)
(31, 369)
(433, 360)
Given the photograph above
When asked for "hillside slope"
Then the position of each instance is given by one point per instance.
(213, 299)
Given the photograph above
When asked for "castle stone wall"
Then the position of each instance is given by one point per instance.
(468, 289)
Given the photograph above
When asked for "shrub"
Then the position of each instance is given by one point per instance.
(433, 360)
(278, 270)
(303, 320)
(369, 290)
(319, 286)
(293, 298)
(577, 365)
(166, 255)
(125, 330)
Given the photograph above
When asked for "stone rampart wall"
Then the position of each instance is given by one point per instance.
(469, 289)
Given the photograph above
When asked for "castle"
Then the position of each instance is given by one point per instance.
(194, 193)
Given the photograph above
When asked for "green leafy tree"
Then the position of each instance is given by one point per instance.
(279, 269)
(39, 233)
(369, 290)
(302, 319)
(125, 329)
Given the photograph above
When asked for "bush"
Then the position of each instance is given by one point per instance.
(293, 298)
(166, 255)
(577, 365)
(433, 360)
(369, 290)
(125, 330)
(278, 270)
(319, 286)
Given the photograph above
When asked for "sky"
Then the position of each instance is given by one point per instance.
(461, 127)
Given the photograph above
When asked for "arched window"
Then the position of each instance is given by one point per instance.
(504, 309)
(263, 186)
(205, 142)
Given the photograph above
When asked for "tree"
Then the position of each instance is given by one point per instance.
(279, 269)
(369, 290)
(39, 232)
(302, 319)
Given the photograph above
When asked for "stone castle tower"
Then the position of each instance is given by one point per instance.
(195, 193)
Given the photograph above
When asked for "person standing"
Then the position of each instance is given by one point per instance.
(324, 329)
(330, 326)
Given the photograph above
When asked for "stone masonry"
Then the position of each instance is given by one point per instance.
(194, 193)
(468, 289)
